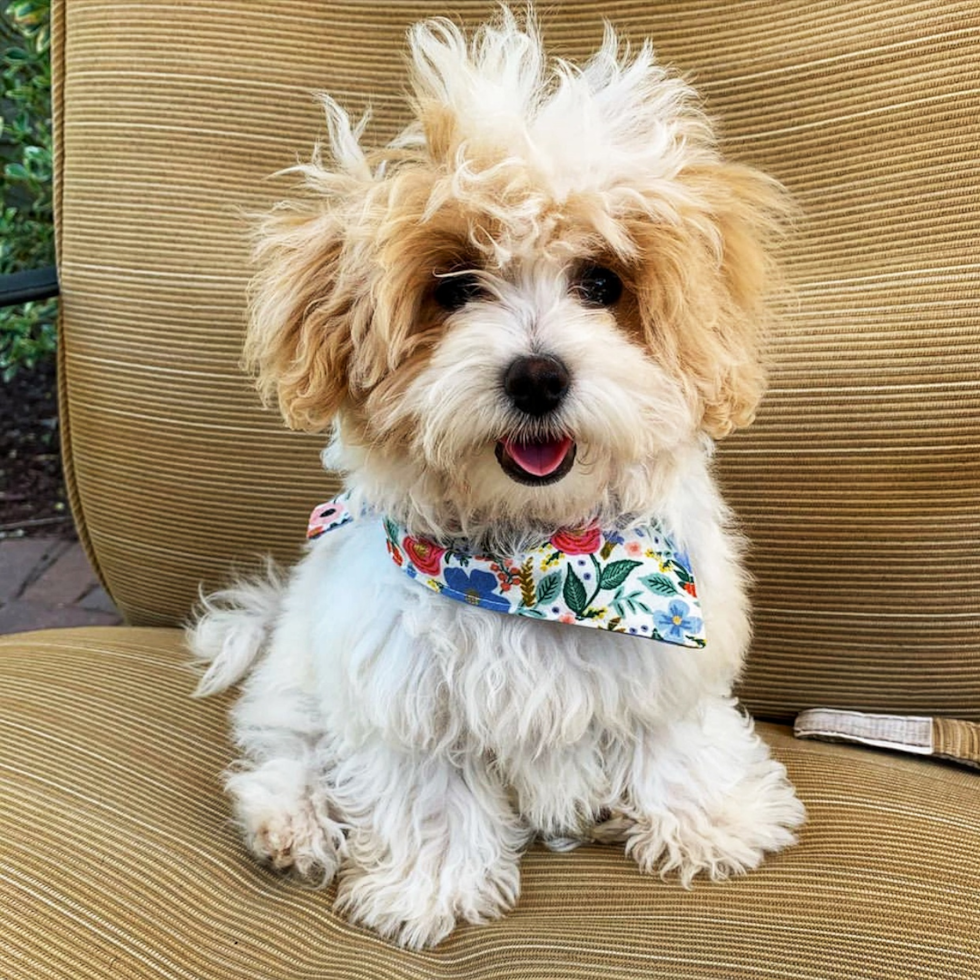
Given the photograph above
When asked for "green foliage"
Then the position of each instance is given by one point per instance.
(27, 333)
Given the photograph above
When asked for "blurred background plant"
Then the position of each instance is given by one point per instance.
(33, 497)
(27, 332)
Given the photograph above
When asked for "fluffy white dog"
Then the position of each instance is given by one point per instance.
(525, 319)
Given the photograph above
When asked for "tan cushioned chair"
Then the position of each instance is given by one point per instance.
(858, 485)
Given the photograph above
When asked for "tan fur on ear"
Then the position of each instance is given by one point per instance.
(298, 344)
(707, 286)
(751, 212)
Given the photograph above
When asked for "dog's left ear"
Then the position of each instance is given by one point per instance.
(708, 298)
(751, 212)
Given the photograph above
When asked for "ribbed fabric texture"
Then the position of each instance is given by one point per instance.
(859, 483)
(117, 859)
(958, 740)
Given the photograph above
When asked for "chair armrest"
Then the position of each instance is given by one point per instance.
(33, 284)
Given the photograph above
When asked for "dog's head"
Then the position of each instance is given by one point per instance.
(545, 285)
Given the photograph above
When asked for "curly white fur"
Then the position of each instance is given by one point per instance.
(414, 745)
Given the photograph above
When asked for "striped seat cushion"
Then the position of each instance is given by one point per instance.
(859, 485)
(117, 859)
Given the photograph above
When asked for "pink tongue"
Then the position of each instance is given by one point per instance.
(539, 458)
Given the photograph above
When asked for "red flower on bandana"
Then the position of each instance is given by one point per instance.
(586, 541)
(424, 555)
(395, 553)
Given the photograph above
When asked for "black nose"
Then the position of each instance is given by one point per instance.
(536, 385)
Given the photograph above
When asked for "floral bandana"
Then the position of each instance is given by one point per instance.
(629, 581)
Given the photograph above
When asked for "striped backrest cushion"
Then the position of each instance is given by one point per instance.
(858, 485)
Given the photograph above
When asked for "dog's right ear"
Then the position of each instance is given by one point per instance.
(309, 303)
(298, 344)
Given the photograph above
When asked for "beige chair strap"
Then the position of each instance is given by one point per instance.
(947, 738)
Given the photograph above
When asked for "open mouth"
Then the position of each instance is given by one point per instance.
(536, 462)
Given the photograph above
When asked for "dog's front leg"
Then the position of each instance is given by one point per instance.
(280, 786)
(430, 843)
(706, 796)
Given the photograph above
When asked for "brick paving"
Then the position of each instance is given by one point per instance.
(47, 582)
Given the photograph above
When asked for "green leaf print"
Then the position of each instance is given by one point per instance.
(574, 593)
(659, 584)
(615, 573)
(548, 588)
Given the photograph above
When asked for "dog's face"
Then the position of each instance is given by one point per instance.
(518, 309)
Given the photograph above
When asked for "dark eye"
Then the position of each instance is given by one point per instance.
(456, 290)
(599, 286)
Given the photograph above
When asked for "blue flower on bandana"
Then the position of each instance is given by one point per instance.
(477, 588)
(676, 623)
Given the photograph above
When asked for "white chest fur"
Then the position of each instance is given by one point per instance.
(388, 656)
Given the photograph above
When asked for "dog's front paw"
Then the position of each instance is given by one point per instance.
(294, 840)
(418, 907)
(377, 905)
(289, 832)
(757, 818)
